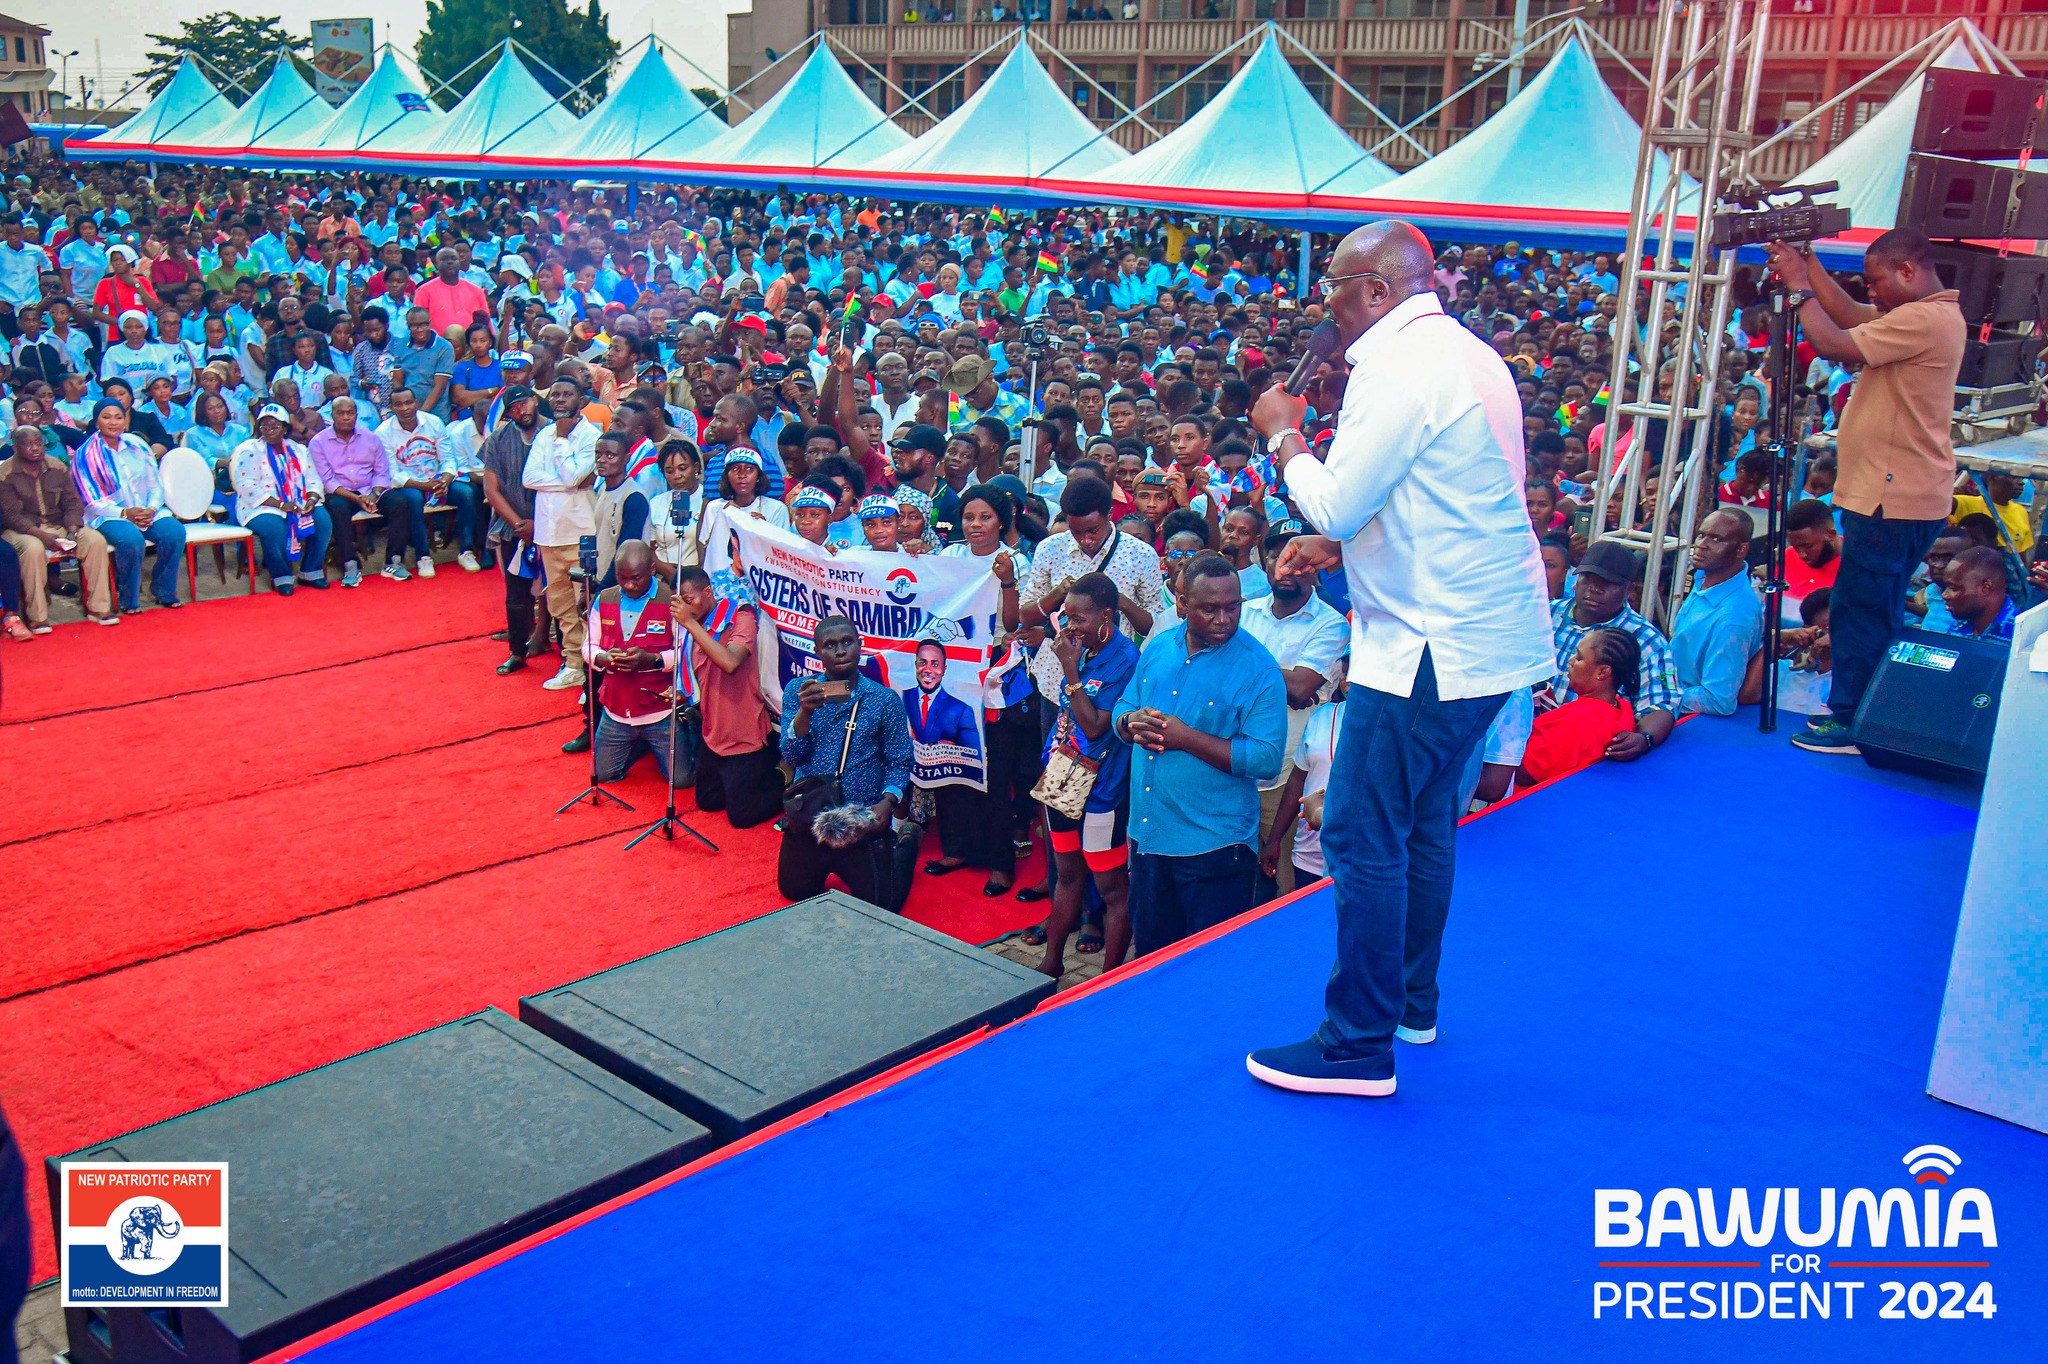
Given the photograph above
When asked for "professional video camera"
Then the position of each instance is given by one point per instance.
(1756, 219)
(1037, 335)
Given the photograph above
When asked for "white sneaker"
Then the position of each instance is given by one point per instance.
(468, 561)
(1420, 1038)
(423, 566)
(564, 680)
(108, 619)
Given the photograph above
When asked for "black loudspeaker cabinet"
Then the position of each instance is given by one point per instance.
(1932, 705)
(2001, 291)
(1944, 197)
(1976, 114)
(2000, 362)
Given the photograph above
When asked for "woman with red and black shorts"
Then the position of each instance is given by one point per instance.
(1097, 661)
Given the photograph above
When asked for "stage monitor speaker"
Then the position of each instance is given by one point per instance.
(1991, 288)
(361, 1179)
(1944, 197)
(1932, 705)
(2005, 360)
(751, 1024)
(1976, 114)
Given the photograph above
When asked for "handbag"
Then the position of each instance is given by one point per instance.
(1068, 778)
(804, 799)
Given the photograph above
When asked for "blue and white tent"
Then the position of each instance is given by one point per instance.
(1557, 161)
(1017, 127)
(1261, 148)
(184, 112)
(507, 124)
(388, 109)
(284, 106)
(651, 113)
(818, 129)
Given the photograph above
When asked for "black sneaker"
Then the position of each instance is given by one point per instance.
(1302, 1067)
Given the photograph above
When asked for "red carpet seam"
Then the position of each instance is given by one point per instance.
(248, 791)
(315, 914)
(238, 682)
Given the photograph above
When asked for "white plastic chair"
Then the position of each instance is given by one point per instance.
(188, 491)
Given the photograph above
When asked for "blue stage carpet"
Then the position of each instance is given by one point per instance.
(1717, 968)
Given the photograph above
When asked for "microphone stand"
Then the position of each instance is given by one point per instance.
(595, 793)
(669, 822)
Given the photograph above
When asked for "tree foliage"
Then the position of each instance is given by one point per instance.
(578, 45)
(227, 45)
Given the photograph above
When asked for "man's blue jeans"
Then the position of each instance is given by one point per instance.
(269, 529)
(1867, 608)
(405, 522)
(1390, 825)
(618, 747)
(127, 540)
(468, 500)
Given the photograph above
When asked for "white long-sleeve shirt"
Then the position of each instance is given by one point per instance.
(1423, 487)
(256, 482)
(556, 468)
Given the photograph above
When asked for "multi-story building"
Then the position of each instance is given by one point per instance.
(25, 75)
(1403, 55)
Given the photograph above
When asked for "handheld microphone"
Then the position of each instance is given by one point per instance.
(1323, 343)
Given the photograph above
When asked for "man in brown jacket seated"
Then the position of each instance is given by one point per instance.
(41, 517)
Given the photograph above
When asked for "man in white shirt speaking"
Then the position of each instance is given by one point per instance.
(1420, 500)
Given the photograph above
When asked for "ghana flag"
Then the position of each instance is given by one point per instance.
(1048, 262)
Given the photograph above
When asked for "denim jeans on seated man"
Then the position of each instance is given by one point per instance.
(620, 745)
(405, 523)
(1389, 830)
(273, 536)
(127, 541)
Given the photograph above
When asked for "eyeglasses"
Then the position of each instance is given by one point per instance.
(1327, 285)
(1176, 554)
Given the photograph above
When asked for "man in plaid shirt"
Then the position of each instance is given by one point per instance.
(1599, 601)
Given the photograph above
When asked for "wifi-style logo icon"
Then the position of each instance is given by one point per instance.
(1931, 1164)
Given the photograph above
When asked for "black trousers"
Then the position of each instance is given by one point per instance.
(867, 867)
(343, 511)
(977, 826)
(518, 613)
(747, 786)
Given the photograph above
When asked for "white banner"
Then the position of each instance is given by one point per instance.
(344, 50)
(926, 622)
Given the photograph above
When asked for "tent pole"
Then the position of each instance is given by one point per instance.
(1518, 48)
(632, 197)
(1305, 280)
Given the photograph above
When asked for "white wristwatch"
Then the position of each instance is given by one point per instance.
(1273, 441)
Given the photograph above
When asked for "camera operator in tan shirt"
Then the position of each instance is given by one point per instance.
(1897, 468)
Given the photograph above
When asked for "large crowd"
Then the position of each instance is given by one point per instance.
(399, 376)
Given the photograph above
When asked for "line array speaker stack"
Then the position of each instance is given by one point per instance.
(1958, 189)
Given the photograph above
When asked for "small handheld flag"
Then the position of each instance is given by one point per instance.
(1048, 262)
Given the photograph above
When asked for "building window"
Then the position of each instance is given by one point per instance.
(1415, 9)
(1119, 87)
(1403, 93)
(20, 50)
(871, 84)
(1318, 82)
(938, 87)
(1186, 102)
(1294, 9)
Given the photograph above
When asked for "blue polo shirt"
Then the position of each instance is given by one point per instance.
(1180, 805)
(1717, 630)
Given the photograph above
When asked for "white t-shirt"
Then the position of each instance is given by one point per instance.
(1313, 756)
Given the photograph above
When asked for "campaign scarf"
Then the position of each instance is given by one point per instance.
(642, 456)
(291, 490)
(93, 469)
(716, 625)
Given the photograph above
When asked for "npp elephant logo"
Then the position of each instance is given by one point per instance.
(141, 1234)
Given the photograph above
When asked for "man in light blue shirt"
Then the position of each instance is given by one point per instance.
(1206, 713)
(21, 265)
(268, 249)
(1720, 623)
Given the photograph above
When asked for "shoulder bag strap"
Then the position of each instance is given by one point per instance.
(846, 747)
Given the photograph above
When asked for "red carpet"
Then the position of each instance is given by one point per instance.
(304, 832)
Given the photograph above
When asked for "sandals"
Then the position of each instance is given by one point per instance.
(1088, 942)
(1033, 936)
(17, 630)
(994, 891)
(1031, 895)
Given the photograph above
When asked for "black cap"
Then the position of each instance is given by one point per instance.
(1283, 531)
(516, 393)
(920, 437)
(1612, 560)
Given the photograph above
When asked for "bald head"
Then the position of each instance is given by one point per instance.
(1395, 251)
(634, 555)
